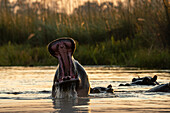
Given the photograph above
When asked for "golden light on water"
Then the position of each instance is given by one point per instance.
(28, 82)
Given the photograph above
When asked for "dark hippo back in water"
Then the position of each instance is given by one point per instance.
(142, 81)
(161, 88)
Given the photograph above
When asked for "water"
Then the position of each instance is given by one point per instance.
(28, 89)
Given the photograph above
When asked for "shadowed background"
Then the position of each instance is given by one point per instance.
(126, 33)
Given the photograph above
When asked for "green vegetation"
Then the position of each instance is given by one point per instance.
(134, 33)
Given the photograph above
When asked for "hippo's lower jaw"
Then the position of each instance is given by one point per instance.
(65, 89)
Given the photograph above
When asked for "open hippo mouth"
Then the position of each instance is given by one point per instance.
(63, 50)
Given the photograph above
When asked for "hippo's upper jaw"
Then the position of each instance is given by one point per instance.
(63, 50)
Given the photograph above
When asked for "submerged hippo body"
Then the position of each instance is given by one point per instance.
(102, 89)
(70, 79)
(142, 81)
(161, 88)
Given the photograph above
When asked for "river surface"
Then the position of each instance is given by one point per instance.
(28, 89)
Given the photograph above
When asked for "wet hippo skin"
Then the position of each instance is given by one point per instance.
(161, 88)
(102, 89)
(70, 78)
(142, 81)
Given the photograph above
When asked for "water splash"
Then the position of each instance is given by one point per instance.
(70, 92)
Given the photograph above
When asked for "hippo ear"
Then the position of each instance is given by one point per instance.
(154, 78)
(109, 86)
(134, 79)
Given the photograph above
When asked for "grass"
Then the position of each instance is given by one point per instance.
(133, 33)
(24, 55)
(122, 53)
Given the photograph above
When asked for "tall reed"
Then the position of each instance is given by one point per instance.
(116, 33)
(37, 24)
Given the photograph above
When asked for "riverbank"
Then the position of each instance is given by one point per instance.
(122, 53)
(131, 33)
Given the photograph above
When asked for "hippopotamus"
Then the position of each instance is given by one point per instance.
(142, 81)
(71, 79)
(161, 88)
(102, 89)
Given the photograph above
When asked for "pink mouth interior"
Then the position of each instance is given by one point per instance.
(63, 51)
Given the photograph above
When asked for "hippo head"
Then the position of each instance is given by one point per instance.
(145, 80)
(149, 80)
(63, 50)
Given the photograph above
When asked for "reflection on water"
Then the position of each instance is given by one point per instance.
(71, 105)
(29, 89)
